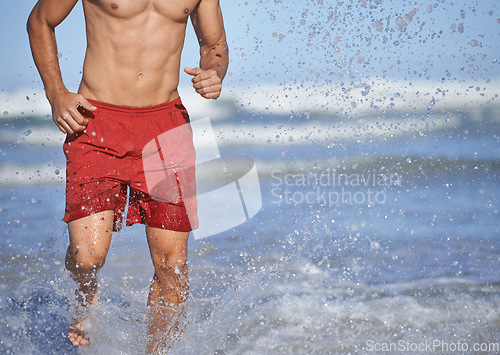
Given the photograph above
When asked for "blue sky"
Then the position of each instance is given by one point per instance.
(283, 41)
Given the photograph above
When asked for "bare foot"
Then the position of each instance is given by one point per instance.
(166, 327)
(78, 330)
(77, 333)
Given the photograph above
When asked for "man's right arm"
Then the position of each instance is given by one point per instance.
(44, 18)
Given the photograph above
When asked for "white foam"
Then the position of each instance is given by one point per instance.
(373, 95)
(23, 175)
(377, 95)
(24, 102)
(34, 137)
(311, 313)
(259, 134)
(314, 132)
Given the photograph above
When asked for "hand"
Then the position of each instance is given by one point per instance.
(65, 111)
(206, 82)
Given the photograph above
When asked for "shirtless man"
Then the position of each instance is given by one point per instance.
(132, 62)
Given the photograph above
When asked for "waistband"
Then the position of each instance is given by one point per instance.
(136, 109)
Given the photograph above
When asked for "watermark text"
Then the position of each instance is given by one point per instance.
(435, 345)
(328, 188)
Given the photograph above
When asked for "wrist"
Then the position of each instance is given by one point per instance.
(54, 93)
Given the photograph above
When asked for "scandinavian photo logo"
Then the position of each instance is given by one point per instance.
(184, 166)
(328, 188)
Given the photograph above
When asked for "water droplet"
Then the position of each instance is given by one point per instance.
(409, 16)
(27, 98)
(375, 245)
(378, 25)
(47, 117)
(57, 171)
(401, 23)
(6, 113)
(27, 132)
(474, 43)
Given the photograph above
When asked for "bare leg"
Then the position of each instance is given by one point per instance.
(169, 288)
(89, 241)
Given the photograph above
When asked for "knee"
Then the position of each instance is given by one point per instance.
(175, 266)
(172, 270)
(83, 262)
(177, 262)
(177, 259)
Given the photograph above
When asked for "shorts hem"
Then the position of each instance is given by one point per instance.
(73, 216)
(161, 225)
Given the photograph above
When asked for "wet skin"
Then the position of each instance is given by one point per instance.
(132, 59)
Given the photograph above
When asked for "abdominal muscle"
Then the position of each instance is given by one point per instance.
(133, 56)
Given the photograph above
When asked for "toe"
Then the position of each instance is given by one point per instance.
(77, 335)
(78, 340)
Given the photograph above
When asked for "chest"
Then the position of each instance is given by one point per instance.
(177, 10)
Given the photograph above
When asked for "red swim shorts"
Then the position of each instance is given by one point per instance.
(143, 149)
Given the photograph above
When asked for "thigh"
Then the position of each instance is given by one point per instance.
(90, 237)
(167, 247)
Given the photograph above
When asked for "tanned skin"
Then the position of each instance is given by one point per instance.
(132, 59)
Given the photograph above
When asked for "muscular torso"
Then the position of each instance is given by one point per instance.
(134, 49)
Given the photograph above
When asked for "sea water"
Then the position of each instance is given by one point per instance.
(377, 233)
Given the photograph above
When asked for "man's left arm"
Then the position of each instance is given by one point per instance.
(209, 27)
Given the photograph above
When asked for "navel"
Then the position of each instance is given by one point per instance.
(139, 76)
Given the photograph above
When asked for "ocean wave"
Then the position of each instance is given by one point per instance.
(373, 96)
(262, 134)
(32, 174)
(376, 96)
(51, 173)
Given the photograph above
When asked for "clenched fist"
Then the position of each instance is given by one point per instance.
(206, 82)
